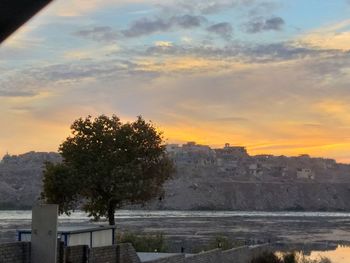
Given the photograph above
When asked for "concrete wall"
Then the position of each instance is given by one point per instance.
(242, 254)
(171, 259)
(236, 255)
(44, 233)
(19, 252)
(212, 256)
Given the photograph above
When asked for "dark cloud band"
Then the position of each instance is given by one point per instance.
(146, 26)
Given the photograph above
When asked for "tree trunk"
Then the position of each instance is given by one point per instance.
(111, 211)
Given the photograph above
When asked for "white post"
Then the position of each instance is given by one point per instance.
(44, 234)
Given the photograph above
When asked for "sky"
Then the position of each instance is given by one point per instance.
(269, 75)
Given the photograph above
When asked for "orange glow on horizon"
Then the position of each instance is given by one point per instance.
(47, 137)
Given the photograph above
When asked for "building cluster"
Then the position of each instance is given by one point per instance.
(235, 161)
(30, 158)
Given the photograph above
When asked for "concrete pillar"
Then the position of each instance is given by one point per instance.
(44, 234)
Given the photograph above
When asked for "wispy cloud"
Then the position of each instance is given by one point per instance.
(260, 24)
(334, 36)
(146, 26)
(223, 29)
(100, 33)
(255, 53)
(16, 93)
(205, 7)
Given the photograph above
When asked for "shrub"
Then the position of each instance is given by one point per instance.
(221, 242)
(144, 243)
(269, 257)
(289, 258)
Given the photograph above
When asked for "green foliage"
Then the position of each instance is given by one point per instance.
(107, 164)
(267, 257)
(60, 186)
(289, 258)
(144, 243)
(221, 242)
(321, 260)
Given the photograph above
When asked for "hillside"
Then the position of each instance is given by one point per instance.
(20, 178)
(222, 179)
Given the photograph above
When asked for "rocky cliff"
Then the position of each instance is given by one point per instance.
(203, 183)
(208, 193)
(21, 178)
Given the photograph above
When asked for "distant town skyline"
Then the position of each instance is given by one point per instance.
(269, 75)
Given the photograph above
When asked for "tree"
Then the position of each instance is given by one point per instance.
(107, 164)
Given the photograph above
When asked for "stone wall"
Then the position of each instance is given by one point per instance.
(103, 254)
(127, 253)
(76, 254)
(18, 252)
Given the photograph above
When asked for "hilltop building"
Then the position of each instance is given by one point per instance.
(191, 153)
(237, 151)
(235, 161)
(305, 173)
(194, 147)
(255, 169)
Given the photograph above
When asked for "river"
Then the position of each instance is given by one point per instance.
(315, 233)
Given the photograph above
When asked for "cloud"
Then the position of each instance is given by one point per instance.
(100, 33)
(204, 7)
(163, 44)
(334, 36)
(79, 8)
(243, 52)
(258, 25)
(80, 70)
(142, 27)
(230, 119)
(17, 93)
(263, 8)
(208, 100)
(146, 26)
(223, 30)
(187, 21)
(187, 65)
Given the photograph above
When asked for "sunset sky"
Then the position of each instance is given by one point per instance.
(270, 75)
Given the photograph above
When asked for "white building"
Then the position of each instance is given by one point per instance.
(172, 148)
(194, 147)
(305, 173)
(255, 169)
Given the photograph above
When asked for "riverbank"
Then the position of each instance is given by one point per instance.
(184, 228)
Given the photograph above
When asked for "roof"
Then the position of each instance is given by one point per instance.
(73, 229)
(150, 256)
